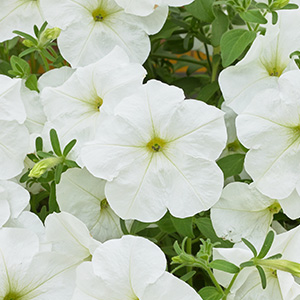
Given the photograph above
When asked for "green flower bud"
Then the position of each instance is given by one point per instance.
(28, 43)
(49, 35)
(184, 258)
(42, 166)
(281, 264)
(280, 3)
(52, 33)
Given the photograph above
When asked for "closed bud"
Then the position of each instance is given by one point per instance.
(44, 165)
(282, 265)
(28, 43)
(280, 3)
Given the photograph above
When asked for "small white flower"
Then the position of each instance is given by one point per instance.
(158, 152)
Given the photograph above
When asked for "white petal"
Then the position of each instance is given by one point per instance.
(195, 121)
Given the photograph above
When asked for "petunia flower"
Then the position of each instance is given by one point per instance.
(158, 152)
(94, 28)
(269, 127)
(28, 273)
(130, 268)
(265, 62)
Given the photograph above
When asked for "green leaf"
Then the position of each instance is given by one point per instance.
(71, 164)
(274, 17)
(20, 66)
(263, 277)
(27, 51)
(291, 6)
(202, 10)
(123, 226)
(32, 83)
(250, 246)
(69, 147)
(267, 245)
(39, 144)
(55, 142)
(58, 172)
(26, 36)
(218, 27)
(210, 293)
(32, 157)
(208, 91)
(232, 164)
(42, 154)
(225, 266)
(253, 16)
(138, 226)
(53, 206)
(4, 67)
(183, 226)
(188, 275)
(233, 44)
(24, 177)
(276, 256)
(166, 224)
(245, 264)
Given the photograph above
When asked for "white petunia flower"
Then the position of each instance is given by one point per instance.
(95, 27)
(270, 128)
(147, 7)
(88, 93)
(158, 152)
(82, 195)
(265, 62)
(243, 212)
(130, 268)
(69, 236)
(13, 200)
(19, 15)
(27, 273)
(281, 274)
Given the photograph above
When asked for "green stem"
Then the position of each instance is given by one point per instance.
(207, 57)
(249, 27)
(185, 59)
(227, 291)
(189, 251)
(214, 280)
(47, 68)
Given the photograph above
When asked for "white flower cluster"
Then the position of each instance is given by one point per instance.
(143, 150)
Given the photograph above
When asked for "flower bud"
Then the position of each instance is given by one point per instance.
(28, 43)
(280, 3)
(42, 166)
(49, 35)
(281, 264)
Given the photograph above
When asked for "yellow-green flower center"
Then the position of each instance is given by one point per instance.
(156, 144)
(274, 208)
(104, 204)
(99, 14)
(98, 102)
(11, 296)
